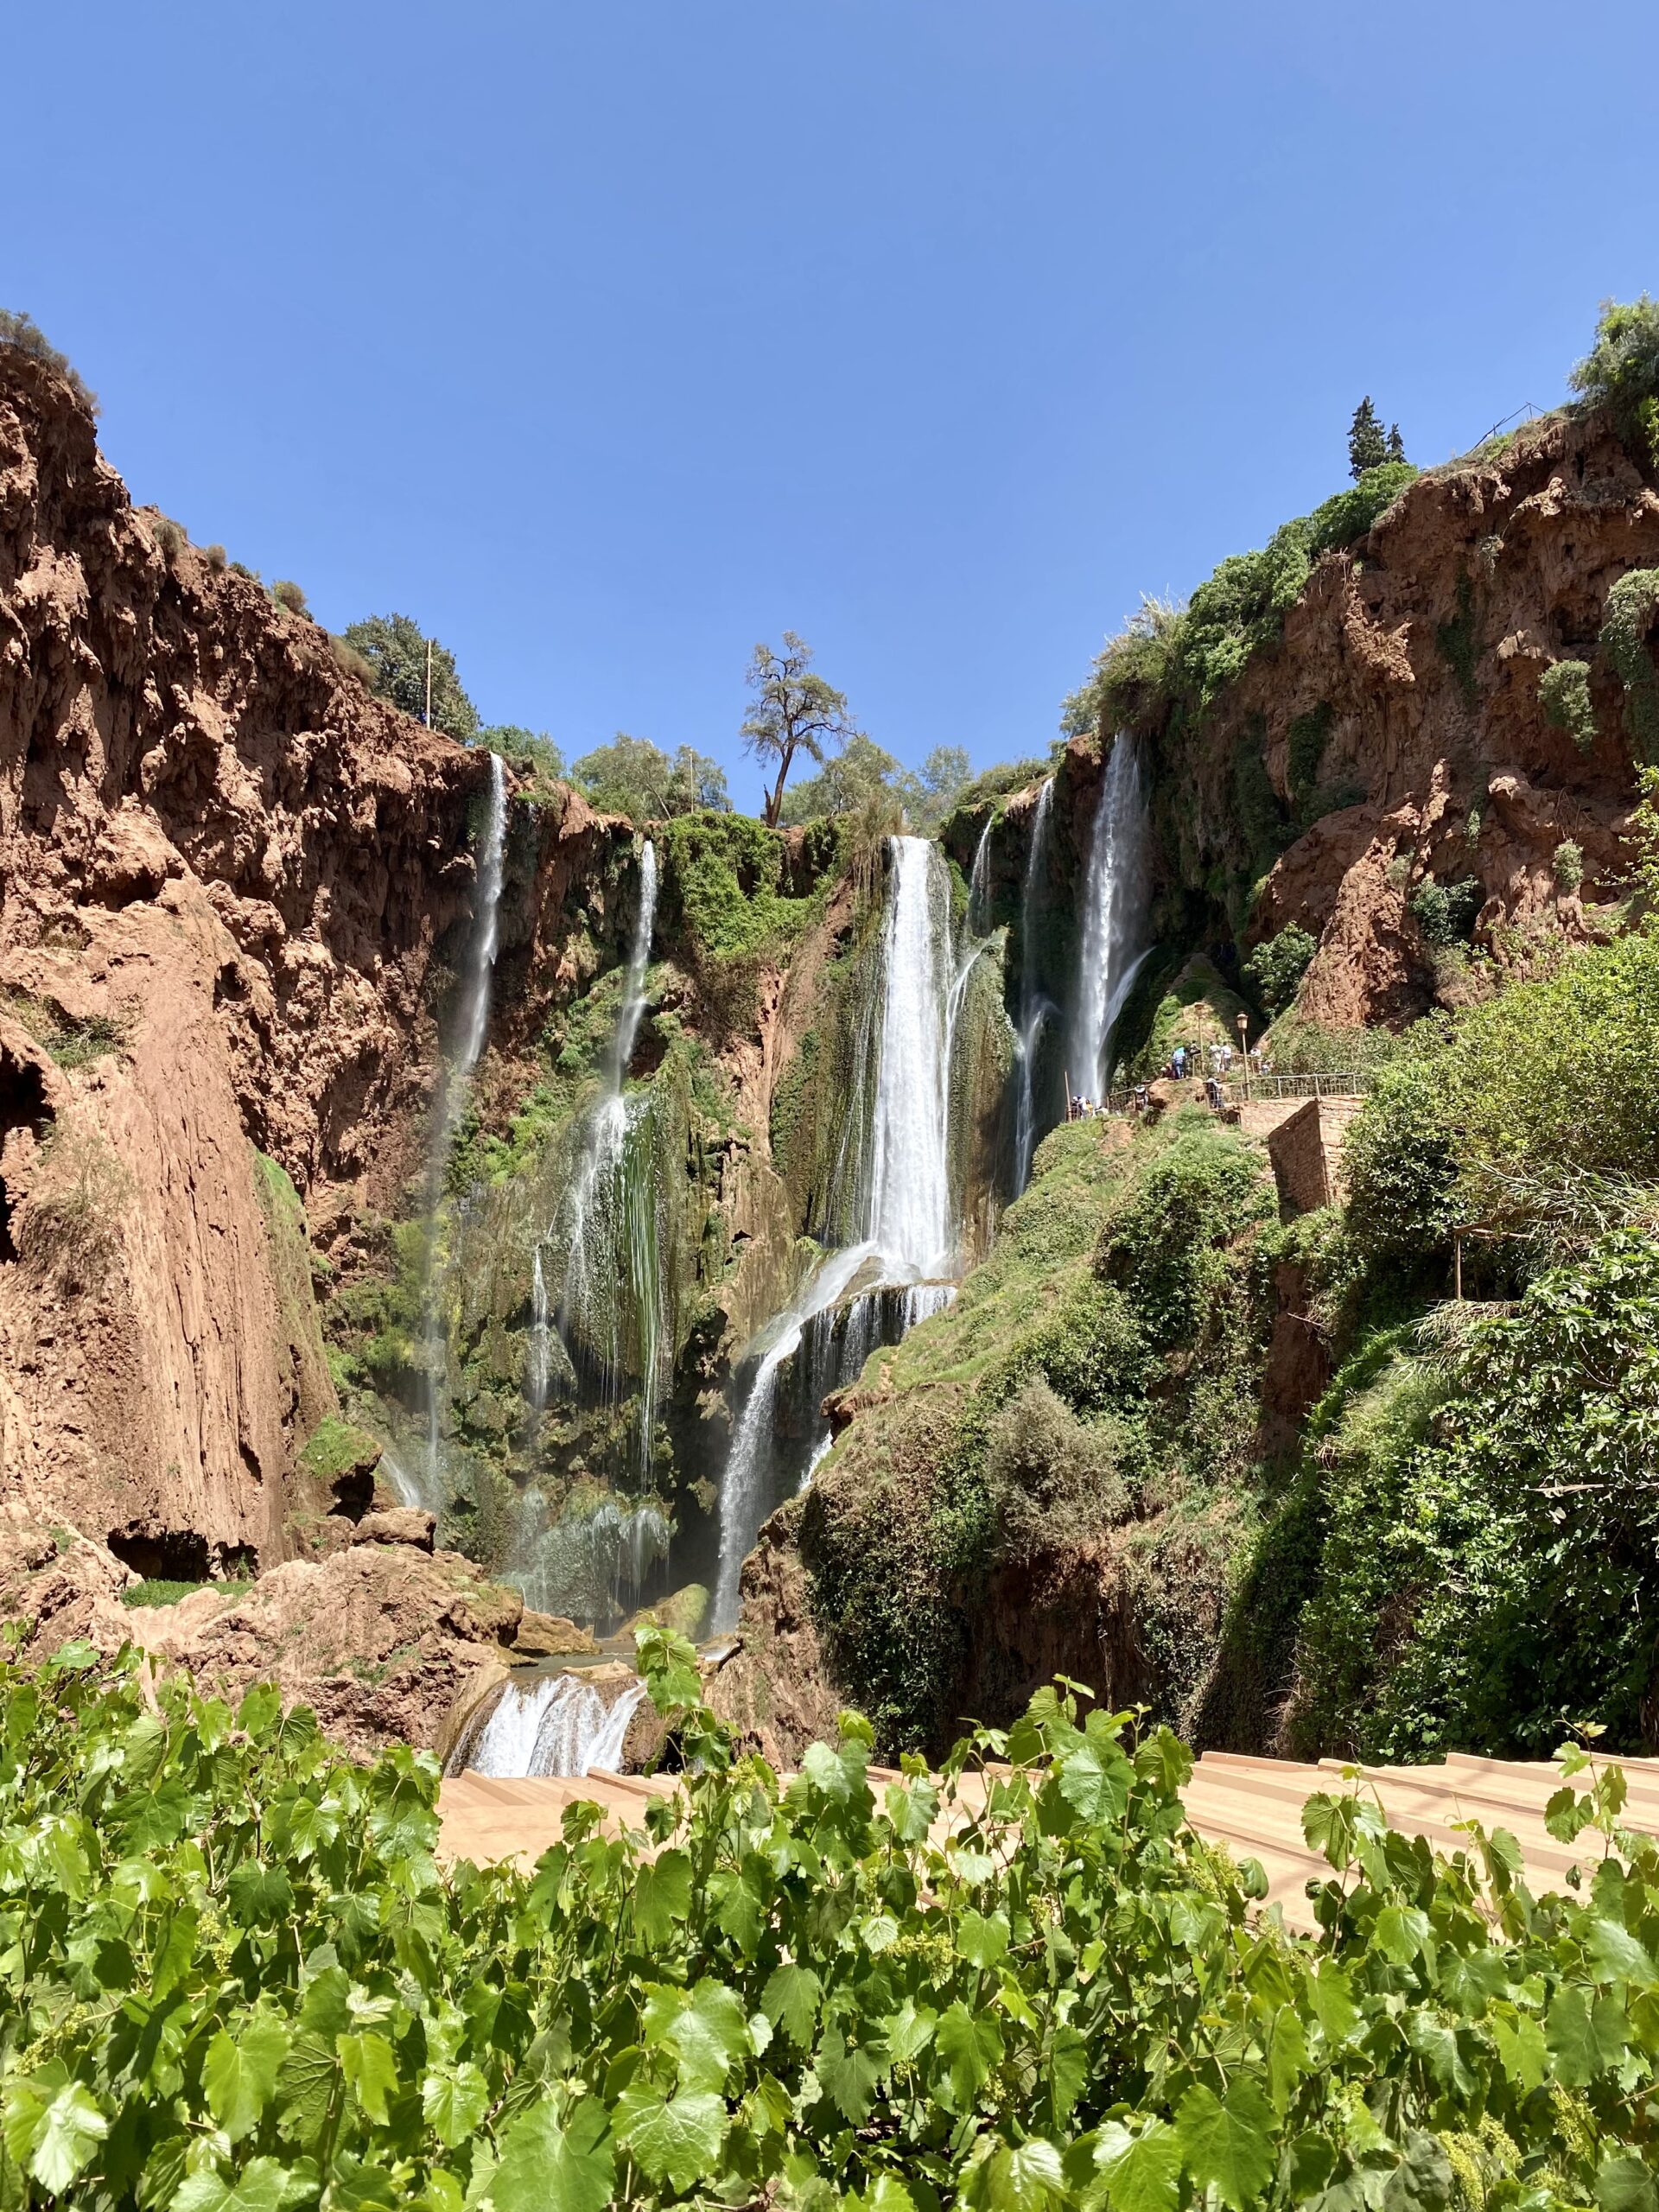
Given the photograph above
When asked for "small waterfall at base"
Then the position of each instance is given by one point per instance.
(471, 1027)
(557, 1724)
(1114, 913)
(1034, 1007)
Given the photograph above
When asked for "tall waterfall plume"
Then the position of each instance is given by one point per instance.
(471, 1027)
(1114, 912)
(899, 1269)
(910, 1220)
(606, 1223)
(1034, 1006)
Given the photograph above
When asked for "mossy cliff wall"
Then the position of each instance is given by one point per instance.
(1402, 725)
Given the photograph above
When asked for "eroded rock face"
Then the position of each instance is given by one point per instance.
(380, 1640)
(1417, 655)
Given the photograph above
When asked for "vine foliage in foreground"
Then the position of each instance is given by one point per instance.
(236, 1980)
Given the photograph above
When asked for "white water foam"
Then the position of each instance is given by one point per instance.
(1114, 913)
(557, 1724)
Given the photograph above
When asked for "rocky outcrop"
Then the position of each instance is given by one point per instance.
(234, 889)
(1403, 737)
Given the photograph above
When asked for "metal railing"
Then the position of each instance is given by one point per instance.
(1238, 1085)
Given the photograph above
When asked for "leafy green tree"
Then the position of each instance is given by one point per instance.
(632, 776)
(1481, 1494)
(514, 742)
(795, 711)
(1396, 443)
(1368, 442)
(1621, 372)
(932, 789)
(1276, 968)
(847, 782)
(395, 648)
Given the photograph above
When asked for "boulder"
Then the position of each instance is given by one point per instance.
(398, 1524)
(549, 1636)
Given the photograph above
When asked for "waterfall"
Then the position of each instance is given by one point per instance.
(474, 1013)
(743, 1500)
(906, 1212)
(910, 1215)
(555, 1724)
(1114, 912)
(586, 1565)
(540, 1332)
(471, 1027)
(979, 883)
(607, 1222)
(1034, 1007)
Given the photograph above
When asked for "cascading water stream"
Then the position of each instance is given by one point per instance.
(1034, 1007)
(1114, 912)
(471, 1027)
(979, 882)
(555, 1723)
(602, 1198)
(911, 1237)
(910, 1218)
(742, 1490)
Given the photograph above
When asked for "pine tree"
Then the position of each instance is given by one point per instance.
(1396, 443)
(1368, 447)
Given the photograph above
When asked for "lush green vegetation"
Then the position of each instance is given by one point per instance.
(1168, 658)
(632, 776)
(1276, 968)
(1493, 1541)
(1103, 1361)
(237, 1981)
(1632, 604)
(1621, 372)
(1564, 692)
(401, 656)
(1532, 1112)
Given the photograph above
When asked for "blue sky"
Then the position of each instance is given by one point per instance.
(607, 340)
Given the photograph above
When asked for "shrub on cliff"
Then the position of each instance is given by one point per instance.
(1274, 970)
(1621, 372)
(396, 649)
(26, 335)
(1167, 655)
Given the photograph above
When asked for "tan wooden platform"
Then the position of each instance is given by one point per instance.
(1253, 1806)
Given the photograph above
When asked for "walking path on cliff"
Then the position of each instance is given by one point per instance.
(1253, 1806)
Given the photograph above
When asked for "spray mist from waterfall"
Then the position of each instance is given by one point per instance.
(1114, 913)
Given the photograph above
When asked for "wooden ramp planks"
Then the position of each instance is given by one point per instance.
(1253, 1806)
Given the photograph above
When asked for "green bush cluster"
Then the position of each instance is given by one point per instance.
(1621, 372)
(1274, 970)
(1445, 912)
(1564, 693)
(1631, 605)
(239, 1981)
(1514, 1113)
(1477, 1495)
